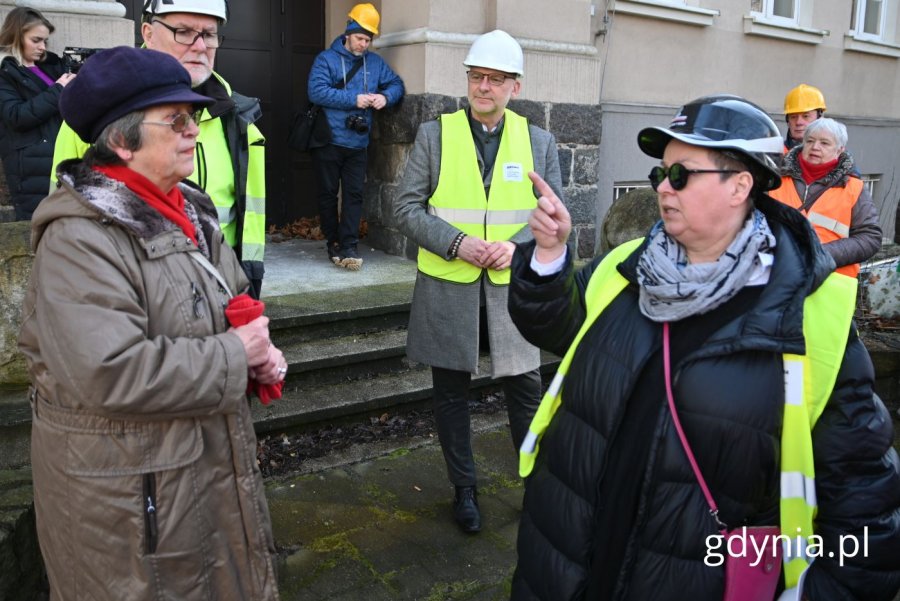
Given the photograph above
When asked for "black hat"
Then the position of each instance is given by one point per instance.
(354, 27)
(723, 122)
(120, 80)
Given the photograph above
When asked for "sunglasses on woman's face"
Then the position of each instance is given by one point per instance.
(678, 175)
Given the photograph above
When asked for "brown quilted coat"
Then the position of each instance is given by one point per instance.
(143, 451)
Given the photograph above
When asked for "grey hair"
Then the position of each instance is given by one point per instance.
(125, 132)
(836, 129)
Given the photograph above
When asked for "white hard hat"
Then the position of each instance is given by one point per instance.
(213, 8)
(496, 50)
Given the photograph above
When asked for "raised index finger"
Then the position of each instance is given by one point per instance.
(543, 187)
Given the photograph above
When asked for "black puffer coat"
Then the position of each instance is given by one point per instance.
(29, 120)
(730, 395)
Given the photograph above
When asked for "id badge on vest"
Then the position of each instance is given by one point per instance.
(512, 172)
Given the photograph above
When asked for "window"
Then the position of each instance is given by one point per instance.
(869, 182)
(622, 188)
(784, 11)
(868, 19)
(873, 28)
(785, 19)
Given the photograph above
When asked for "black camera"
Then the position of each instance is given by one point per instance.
(357, 123)
(73, 57)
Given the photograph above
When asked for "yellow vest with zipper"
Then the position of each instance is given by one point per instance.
(809, 380)
(460, 199)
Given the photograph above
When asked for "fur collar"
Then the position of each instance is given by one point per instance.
(112, 200)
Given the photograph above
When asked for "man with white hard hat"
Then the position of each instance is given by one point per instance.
(465, 199)
(229, 164)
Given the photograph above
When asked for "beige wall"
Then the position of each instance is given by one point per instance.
(426, 42)
(652, 65)
(87, 23)
(658, 62)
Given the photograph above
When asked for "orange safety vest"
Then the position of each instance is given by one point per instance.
(830, 214)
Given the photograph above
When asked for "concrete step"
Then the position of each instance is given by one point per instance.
(344, 354)
(327, 314)
(306, 406)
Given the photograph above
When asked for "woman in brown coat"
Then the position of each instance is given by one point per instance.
(143, 450)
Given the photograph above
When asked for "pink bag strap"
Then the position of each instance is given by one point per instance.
(667, 368)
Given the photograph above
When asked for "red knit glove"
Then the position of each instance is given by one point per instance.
(240, 311)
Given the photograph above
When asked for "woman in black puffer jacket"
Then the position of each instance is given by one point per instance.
(612, 507)
(31, 79)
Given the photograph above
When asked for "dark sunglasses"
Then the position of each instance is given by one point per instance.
(678, 175)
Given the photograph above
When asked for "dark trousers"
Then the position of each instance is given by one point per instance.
(344, 168)
(451, 415)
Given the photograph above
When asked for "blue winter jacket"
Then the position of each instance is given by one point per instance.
(375, 76)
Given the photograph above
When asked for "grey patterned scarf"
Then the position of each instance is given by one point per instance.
(672, 289)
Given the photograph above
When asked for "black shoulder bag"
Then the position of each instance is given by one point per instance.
(310, 127)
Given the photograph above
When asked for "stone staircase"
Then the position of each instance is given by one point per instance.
(346, 359)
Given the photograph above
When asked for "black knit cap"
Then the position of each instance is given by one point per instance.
(120, 80)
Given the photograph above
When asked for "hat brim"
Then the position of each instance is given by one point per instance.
(653, 141)
(174, 94)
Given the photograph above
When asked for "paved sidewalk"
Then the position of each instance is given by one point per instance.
(381, 528)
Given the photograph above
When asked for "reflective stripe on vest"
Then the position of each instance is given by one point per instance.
(830, 215)
(459, 198)
(808, 382)
(606, 283)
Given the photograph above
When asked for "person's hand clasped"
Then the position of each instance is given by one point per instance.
(550, 222)
(378, 101)
(499, 255)
(255, 337)
(363, 101)
(472, 250)
(273, 370)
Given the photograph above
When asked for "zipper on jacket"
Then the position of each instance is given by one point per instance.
(151, 533)
(198, 301)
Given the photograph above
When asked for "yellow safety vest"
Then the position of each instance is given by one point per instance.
(459, 198)
(214, 173)
(809, 380)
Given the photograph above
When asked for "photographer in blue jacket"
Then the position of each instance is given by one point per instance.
(349, 82)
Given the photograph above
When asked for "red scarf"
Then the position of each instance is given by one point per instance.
(812, 172)
(170, 206)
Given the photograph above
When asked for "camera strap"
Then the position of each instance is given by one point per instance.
(342, 84)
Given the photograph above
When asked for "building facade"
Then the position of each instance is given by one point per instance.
(596, 73)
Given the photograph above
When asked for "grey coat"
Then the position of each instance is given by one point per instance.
(444, 320)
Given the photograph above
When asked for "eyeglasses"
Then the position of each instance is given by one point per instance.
(495, 79)
(189, 36)
(678, 175)
(179, 123)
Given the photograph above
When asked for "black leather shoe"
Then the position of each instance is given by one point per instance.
(465, 509)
